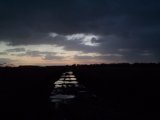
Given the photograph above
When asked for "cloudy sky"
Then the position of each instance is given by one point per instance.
(58, 32)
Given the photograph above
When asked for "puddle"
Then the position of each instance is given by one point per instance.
(65, 88)
(68, 96)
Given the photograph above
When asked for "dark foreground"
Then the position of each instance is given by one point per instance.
(122, 91)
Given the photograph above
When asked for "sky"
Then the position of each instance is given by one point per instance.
(60, 32)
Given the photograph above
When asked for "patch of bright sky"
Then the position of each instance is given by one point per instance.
(53, 34)
(86, 39)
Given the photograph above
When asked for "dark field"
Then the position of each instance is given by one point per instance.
(123, 91)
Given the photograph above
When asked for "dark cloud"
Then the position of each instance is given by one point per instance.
(43, 55)
(85, 57)
(123, 24)
(3, 53)
(35, 53)
(110, 58)
(5, 60)
(16, 50)
(52, 57)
